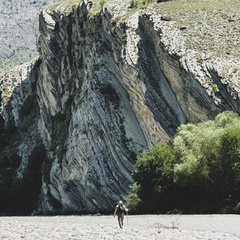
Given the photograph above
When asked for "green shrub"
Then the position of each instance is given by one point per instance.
(198, 173)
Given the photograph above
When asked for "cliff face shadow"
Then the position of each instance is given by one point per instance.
(22, 153)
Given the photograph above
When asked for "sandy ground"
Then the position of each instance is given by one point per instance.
(162, 227)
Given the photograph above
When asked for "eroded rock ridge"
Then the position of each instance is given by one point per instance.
(102, 91)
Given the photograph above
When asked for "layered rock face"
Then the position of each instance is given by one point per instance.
(94, 133)
(106, 90)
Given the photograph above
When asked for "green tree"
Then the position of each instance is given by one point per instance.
(198, 171)
(225, 172)
(133, 201)
(208, 159)
(153, 175)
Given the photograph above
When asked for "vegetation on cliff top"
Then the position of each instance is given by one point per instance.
(64, 7)
(197, 172)
(20, 56)
(210, 27)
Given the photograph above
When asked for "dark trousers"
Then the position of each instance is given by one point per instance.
(120, 219)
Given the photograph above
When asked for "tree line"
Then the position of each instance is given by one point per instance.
(197, 171)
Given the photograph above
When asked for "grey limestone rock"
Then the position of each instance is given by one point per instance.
(107, 90)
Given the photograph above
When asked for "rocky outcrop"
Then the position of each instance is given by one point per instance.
(94, 133)
(106, 90)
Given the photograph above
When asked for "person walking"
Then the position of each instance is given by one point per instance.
(120, 210)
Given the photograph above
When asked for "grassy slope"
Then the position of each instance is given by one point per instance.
(20, 56)
(63, 6)
(211, 26)
(67, 6)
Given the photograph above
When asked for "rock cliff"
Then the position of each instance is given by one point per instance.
(107, 86)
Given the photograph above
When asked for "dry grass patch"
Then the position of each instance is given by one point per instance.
(64, 7)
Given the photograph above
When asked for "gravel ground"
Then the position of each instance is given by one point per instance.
(164, 227)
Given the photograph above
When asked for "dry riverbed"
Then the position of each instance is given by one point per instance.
(164, 227)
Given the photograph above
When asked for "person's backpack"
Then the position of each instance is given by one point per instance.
(120, 209)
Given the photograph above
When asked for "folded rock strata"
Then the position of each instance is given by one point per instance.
(105, 90)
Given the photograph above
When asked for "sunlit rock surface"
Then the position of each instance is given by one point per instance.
(104, 91)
